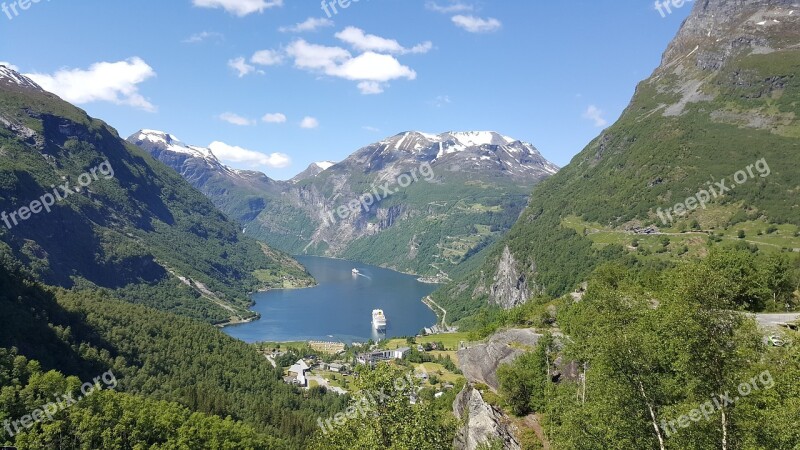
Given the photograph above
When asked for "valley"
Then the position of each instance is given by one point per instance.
(315, 278)
(407, 190)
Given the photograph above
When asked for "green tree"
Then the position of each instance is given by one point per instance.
(392, 423)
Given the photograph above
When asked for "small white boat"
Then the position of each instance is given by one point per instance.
(378, 319)
(356, 272)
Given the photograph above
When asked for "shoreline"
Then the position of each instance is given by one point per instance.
(256, 316)
(427, 279)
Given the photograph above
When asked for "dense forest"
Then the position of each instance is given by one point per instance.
(163, 362)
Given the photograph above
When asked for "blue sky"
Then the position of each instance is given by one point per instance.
(553, 73)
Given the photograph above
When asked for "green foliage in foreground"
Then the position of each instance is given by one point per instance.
(656, 347)
(156, 356)
(393, 423)
(108, 419)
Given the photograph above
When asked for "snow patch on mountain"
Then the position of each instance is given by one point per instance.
(170, 143)
(325, 165)
(10, 76)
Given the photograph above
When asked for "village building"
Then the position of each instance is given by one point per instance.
(297, 374)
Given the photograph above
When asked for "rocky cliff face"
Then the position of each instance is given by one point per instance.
(484, 424)
(510, 287)
(722, 27)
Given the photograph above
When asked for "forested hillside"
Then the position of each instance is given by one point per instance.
(115, 218)
(174, 375)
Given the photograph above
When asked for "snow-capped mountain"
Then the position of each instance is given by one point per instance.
(12, 78)
(198, 165)
(480, 183)
(471, 151)
(313, 170)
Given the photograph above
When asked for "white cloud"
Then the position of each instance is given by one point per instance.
(453, 7)
(203, 36)
(235, 119)
(595, 114)
(370, 42)
(370, 87)
(231, 153)
(310, 24)
(115, 82)
(316, 57)
(476, 24)
(241, 67)
(371, 129)
(372, 69)
(309, 123)
(371, 66)
(266, 58)
(274, 118)
(9, 65)
(240, 8)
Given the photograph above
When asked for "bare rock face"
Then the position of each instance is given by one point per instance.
(480, 362)
(715, 33)
(510, 287)
(484, 423)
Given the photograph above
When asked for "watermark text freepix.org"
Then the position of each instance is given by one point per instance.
(62, 402)
(330, 5)
(715, 190)
(721, 401)
(380, 193)
(664, 7)
(13, 8)
(46, 201)
(367, 403)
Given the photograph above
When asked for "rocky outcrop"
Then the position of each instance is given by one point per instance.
(480, 362)
(510, 287)
(716, 33)
(717, 26)
(483, 423)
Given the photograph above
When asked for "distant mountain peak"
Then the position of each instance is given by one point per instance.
(11, 77)
(467, 150)
(478, 138)
(324, 165)
(171, 143)
(313, 170)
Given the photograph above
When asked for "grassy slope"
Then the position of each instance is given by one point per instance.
(647, 161)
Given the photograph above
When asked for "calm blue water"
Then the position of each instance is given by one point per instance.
(340, 307)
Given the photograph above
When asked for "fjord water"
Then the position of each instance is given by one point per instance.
(340, 307)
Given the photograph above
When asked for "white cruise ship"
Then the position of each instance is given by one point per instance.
(378, 319)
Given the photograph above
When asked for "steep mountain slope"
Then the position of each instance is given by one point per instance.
(429, 203)
(722, 108)
(81, 208)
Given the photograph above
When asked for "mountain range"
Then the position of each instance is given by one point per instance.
(474, 187)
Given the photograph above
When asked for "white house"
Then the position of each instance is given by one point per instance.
(298, 372)
(400, 353)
